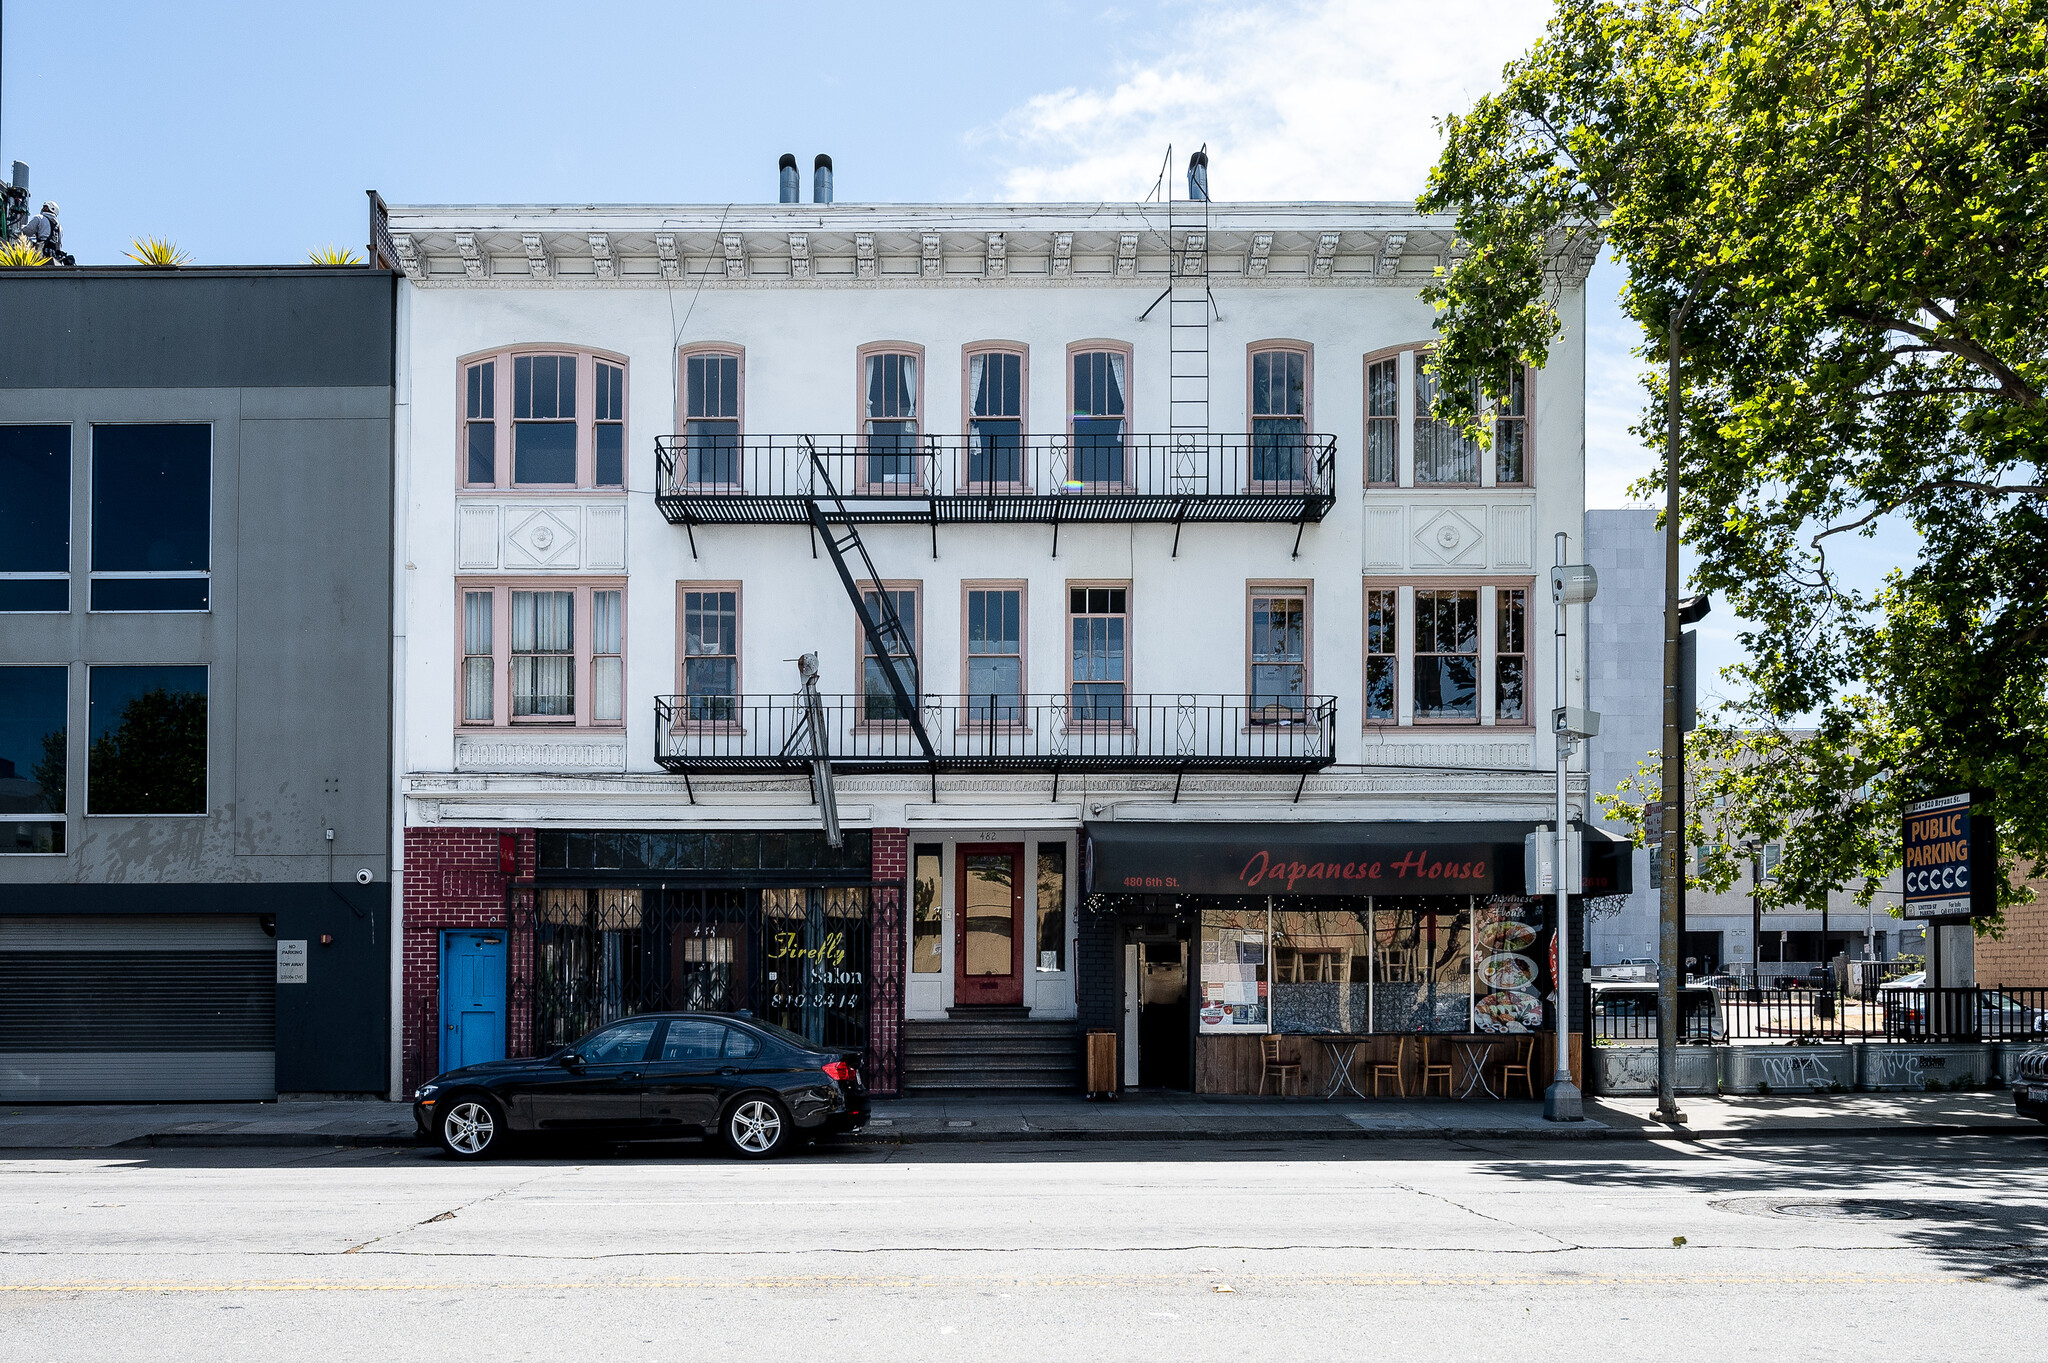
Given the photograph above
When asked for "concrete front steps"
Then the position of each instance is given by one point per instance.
(969, 1055)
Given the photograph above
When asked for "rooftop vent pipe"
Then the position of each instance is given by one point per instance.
(821, 180)
(792, 188)
(1198, 175)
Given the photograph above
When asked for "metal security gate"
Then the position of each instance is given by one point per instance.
(137, 1009)
(584, 956)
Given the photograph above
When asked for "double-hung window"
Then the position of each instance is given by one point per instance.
(1279, 655)
(877, 700)
(1511, 654)
(1101, 407)
(35, 518)
(480, 424)
(891, 417)
(541, 652)
(608, 429)
(995, 654)
(34, 749)
(995, 422)
(1443, 453)
(1511, 431)
(152, 518)
(1383, 422)
(1382, 649)
(1279, 415)
(1099, 619)
(544, 420)
(711, 419)
(711, 654)
(1446, 654)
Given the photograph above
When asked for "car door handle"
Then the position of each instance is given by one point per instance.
(630, 1074)
(730, 1069)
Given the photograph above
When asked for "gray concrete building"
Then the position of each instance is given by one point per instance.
(195, 642)
(1624, 682)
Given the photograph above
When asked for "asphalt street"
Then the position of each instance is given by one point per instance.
(1929, 1248)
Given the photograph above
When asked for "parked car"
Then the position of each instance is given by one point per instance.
(1628, 1012)
(1998, 1014)
(758, 1087)
(2030, 1085)
(1719, 982)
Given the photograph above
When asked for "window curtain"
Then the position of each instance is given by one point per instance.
(1442, 455)
(606, 667)
(476, 663)
(543, 681)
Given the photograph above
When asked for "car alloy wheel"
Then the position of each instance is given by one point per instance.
(755, 1128)
(469, 1129)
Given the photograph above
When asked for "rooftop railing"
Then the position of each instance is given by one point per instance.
(711, 478)
(1096, 730)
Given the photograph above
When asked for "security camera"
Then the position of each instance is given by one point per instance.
(363, 876)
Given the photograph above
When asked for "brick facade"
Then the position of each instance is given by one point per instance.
(453, 878)
(2020, 956)
(888, 872)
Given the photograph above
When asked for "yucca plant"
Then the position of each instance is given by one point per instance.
(21, 252)
(157, 252)
(332, 255)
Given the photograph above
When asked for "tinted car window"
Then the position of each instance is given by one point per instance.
(692, 1039)
(739, 1043)
(614, 1045)
(781, 1033)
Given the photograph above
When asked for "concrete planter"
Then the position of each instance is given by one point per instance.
(1631, 1071)
(1787, 1069)
(1913, 1068)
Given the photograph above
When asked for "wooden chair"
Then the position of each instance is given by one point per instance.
(1276, 1069)
(1522, 1067)
(1397, 1069)
(1432, 1072)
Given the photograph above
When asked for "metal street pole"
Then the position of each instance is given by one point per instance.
(1561, 1101)
(1673, 779)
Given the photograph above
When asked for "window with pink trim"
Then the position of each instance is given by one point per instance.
(543, 419)
(542, 652)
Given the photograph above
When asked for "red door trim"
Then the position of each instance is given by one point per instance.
(990, 989)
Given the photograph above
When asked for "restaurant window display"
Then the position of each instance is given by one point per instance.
(1422, 964)
(1235, 978)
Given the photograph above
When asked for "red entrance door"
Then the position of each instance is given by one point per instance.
(988, 928)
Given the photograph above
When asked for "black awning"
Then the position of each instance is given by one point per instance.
(1390, 857)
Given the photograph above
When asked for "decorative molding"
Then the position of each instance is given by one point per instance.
(930, 264)
(473, 263)
(543, 537)
(800, 255)
(997, 262)
(864, 255)
(1450, 538)
(1126, 255)
(1256, 260)
(1390, 253)
(735, 256)
(1194, 246)
(476, 536)
(1326, 255)
(1383, 538)
(408, 256)
(474, 752)
(604, 537)
(1512, 756)
(665, 249)
(1513, 536)
(536, 258)
(1062, 254)
(601, 255)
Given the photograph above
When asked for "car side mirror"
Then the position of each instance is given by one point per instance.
(569, 1060)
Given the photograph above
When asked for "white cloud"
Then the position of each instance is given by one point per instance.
(1313, 99)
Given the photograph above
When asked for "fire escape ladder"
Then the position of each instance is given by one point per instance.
(887, 639)
(1188, 314)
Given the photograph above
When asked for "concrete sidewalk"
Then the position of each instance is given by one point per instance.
(1135, 1117)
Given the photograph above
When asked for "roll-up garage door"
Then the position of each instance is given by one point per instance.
(136, 1009)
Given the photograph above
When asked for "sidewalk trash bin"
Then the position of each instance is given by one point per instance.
(1102, 1064)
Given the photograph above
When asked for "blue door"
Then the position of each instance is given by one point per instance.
(472, 998)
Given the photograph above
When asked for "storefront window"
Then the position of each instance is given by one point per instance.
(1052, 906)
(1235, 979)
(1321, 968)
(1510, 949)
(1422, 964)
(927, 913)
(810, 947)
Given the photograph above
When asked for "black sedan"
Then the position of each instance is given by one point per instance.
(659, 1076)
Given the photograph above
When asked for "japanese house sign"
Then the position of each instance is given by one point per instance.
(1951, 860)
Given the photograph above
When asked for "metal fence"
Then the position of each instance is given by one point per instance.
(1098, 730)
(713, 477)
(2003, 1013)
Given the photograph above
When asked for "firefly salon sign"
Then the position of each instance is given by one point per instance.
(1951, 860)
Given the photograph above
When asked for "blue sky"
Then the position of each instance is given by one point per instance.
(247, 133)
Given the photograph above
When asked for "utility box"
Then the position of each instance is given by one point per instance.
(1102, 1064)
(1539, 869)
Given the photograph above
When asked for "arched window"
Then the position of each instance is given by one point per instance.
(538, 418)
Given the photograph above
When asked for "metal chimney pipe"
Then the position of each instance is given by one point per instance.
(821, 180)
(792, 188)
(21, 175)
(1198, 175)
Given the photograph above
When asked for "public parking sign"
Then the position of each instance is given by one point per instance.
(1950, 866)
